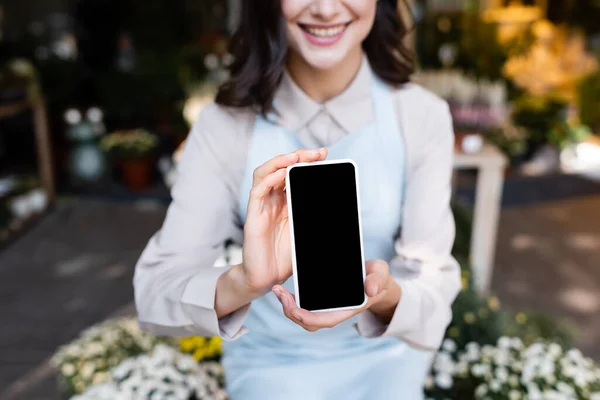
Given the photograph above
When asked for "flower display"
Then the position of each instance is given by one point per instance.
(511, 370)
(88, 359)
(129, 143)
(164, 374)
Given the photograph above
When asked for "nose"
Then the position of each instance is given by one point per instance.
(325, 9)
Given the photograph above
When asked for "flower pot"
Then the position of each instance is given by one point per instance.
(137, 173)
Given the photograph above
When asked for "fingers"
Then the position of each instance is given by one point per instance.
(310, 321)
(285, 160)
(377, 280)
(265, 186)
(273, 165)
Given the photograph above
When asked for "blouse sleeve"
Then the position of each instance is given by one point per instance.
(424, 268)
(175, 280)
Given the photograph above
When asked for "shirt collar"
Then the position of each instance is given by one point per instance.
(351, 109)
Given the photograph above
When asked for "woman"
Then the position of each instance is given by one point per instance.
(313, 79)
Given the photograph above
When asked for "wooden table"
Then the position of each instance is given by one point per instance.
(36, 103)
(490, 164)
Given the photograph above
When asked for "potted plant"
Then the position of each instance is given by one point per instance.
(133, 151)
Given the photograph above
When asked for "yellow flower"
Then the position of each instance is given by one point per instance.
(199, 341)
(186, 344)
(453, 332)
(494, 303)
(521, 318)
(469, 318)
(465, 283)
(214, 347)
(199, 354)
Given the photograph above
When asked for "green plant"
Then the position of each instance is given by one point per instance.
(564, 134)
(589, 101)
(538, 115)
(510, 139)
(136, 143)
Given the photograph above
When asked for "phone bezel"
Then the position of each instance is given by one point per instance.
(288, 189)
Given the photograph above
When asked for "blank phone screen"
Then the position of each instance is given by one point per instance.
(326, 227)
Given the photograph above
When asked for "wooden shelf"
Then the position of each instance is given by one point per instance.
(35, 102)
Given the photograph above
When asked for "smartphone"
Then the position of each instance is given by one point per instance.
(326, 235)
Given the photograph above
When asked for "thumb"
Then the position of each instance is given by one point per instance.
(377, 279)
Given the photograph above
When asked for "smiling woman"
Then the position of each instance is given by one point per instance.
(312, 80)
(322, 34)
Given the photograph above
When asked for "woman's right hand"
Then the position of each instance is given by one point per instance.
(266, 252)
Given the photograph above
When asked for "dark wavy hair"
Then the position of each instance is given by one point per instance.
(259, 47)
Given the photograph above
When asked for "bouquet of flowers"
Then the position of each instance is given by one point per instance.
(164, 374)
(137, 143)
(88, 360)
(512, 371)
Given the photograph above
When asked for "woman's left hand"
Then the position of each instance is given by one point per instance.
(383, 297)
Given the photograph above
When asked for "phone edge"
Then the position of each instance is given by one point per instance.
(291, 228)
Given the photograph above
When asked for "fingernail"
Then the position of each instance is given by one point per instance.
(376, 289)
(277, 291)
(296, 315)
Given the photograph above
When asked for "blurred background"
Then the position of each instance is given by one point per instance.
(97, 97)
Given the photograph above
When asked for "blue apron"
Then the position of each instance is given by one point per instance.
(278, 359)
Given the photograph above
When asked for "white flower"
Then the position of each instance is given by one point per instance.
(533, 392)
(227, 59)
(513, 380)
(495, 386)
(472, 352)
(502, 357)
(502, 374)
(87, 370)
(444, 380)
(516, 343)
(574, 355)
(95, 115)
(595, 396)
(68, 369)
(72, 116)
(443, 363)
(547, 368)
(211, 61)
(554, 350)
(480, 370)
(481, 390)
(449, 345)
(514, 395)
(504, 342)
(565, 388)
(38, 200)
(534, 349)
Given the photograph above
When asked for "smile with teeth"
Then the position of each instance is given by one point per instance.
(325, 32)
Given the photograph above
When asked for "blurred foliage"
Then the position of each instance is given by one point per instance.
(478, 51)
(589, 101)
(480, 317)
(565, 133)
(532, 325)
(510, 139)
(538, 115)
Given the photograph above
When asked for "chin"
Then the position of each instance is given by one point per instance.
(327, 60)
